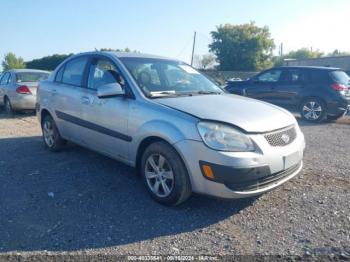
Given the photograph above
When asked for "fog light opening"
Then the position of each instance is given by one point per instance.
(208, 172)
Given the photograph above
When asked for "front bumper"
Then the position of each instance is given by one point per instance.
(241, 174)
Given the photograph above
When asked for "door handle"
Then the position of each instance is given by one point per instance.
(85, 100)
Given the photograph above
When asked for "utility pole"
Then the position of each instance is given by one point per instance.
(194, 45)
(281, 51)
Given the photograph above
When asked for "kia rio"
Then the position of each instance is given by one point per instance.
(182, 132)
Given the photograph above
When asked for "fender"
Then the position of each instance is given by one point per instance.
(156, 128)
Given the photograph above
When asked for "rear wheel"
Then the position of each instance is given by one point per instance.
(51, 136)
(8, 107)
(165, 175)
(313, 110)
(334, 118)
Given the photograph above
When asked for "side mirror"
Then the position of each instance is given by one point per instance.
(110, 90)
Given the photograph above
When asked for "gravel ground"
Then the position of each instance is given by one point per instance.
(80, 201)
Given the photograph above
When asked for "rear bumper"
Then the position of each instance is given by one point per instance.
(23, 102)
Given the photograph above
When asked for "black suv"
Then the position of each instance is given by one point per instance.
(316, 92)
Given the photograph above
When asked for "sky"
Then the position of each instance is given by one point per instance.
(37, 28)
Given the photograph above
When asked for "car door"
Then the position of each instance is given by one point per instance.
(289, 87)
(66, 96)
(106, 119)
(3, 85)
(262, 86)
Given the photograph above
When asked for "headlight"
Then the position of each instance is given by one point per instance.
(223, 137)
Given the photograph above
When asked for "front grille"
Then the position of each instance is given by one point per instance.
(263, 182)
(282, 138)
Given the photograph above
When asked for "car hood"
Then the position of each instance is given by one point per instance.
(248, 114)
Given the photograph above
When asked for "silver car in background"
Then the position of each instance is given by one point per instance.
(18, 89)
(182, 132)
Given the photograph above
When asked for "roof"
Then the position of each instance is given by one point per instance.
(126, 54)
(311, 67)
(27, 70)
(137, 55)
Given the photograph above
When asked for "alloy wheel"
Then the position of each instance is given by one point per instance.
(159, 175)
(312, 110)
(49, 134)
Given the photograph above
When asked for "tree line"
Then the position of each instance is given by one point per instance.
(244, 47)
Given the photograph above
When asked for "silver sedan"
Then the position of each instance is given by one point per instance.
(18, 89)
(182, 132)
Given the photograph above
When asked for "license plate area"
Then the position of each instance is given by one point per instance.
(291, 160)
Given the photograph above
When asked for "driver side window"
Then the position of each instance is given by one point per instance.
(102, 72)
(271, 76)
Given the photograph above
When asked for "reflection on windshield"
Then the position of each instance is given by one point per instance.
(159, 77)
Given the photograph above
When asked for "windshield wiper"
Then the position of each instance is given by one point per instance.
(164, 93)
(208, 92)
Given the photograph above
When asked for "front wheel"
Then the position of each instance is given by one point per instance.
(51, 136)
(313, 110)
(165, 175)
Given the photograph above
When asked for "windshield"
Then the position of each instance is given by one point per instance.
(31, 76)
(340, 77)
(159, 77)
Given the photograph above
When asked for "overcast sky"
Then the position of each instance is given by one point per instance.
(37, 28)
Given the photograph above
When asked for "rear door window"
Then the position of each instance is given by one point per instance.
(74, 71)
(319, 76)
(292, 76)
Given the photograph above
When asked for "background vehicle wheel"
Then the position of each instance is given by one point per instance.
(165, 175)
(334, 118)
(8, 108)
(313, 110)
(51, 136)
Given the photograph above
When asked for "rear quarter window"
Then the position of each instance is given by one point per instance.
(340, 76)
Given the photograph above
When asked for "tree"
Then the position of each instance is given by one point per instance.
(337, 52)
(12, 62)
(204, 61)
(47, 62)
(127, 49)
(245, 47)
(304, 53)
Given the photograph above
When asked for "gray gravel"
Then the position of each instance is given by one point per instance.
(80, 201)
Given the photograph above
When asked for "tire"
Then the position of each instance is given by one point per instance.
(51, 136)
(165, 175)
(313, 110)
(334, 118)
(8, 107)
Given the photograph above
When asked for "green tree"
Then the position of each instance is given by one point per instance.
(337, 52)
(127, 49)
(12, 62)
(204, 61)
(304, 53)
(245, 47)
(47, 62)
